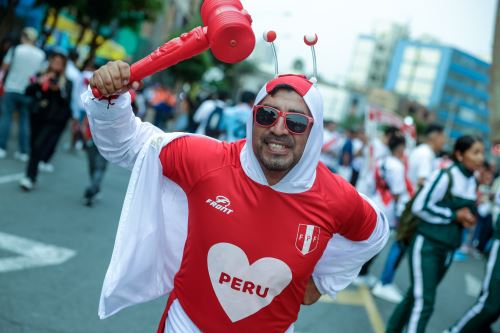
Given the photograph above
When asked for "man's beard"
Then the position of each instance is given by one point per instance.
(277, 163)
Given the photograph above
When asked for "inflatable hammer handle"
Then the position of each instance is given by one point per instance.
(174, 51)
(227, 32)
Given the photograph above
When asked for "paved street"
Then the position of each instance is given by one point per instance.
(55, 287)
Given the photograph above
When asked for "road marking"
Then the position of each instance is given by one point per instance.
(360, 297)
(11, 178)
(347, 297)
(31, 253)
(472, 285)
(371, 308)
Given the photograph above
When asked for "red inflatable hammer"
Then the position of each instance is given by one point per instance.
(227, 32)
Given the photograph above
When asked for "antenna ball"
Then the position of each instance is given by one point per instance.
(269, 36)
(311, 39)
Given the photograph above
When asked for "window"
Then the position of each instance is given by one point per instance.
(423, 89)
(410, 54)
(422, 99)
(430, 56)
(402, 85)
(469, 115)
(365, 46)
(406, 70)
(426, 73)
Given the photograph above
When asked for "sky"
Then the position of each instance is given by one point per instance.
(465, 24)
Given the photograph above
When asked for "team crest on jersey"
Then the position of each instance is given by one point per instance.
(307, 238)
(220, 203)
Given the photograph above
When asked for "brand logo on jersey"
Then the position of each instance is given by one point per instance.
(220, 203)
(243, 289)
(307, 238)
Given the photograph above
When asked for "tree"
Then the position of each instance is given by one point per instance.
(116, 14)
(7, 16)
(54, 7)
(100, 14)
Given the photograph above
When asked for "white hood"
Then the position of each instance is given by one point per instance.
(302, 176)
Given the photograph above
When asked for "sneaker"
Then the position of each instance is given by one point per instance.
(88, 197)
(88, 202)
(3, 153)
(26, 184)
(79, 145)
(46, 167)
(21, 157)
(388, 292)
(459, 256)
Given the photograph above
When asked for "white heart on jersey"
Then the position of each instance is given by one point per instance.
(227, 261)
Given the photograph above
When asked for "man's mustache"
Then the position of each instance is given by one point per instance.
(285, 140)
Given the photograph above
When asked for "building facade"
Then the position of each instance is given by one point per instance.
(449, 82)
(373, 54)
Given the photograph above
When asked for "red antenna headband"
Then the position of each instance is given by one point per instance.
(310, 40)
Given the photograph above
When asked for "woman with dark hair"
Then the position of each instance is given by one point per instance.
(444, 206)
(482, 314)
(50, 111)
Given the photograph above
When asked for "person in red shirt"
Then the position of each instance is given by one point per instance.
(243, 232)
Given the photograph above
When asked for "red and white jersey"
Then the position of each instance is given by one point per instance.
(250, 250)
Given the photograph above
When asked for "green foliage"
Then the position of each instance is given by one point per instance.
(56, 4)
(191, 70)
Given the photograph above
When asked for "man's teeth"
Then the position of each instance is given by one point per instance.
(276, 146)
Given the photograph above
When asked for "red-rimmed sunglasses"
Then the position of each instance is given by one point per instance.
(267, 116)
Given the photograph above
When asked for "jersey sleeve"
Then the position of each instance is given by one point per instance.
(354, 216)
(187, 159)
(350, 249)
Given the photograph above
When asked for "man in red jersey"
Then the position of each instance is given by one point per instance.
(238, 234)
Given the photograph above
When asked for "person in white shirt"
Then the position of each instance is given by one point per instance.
(365, 182)
(22, 62)
(331, 145)
(74, 74)
(206, 109)
(421, 160)
(390, 181)
(234, 118)
(422, 163)
(393, 192)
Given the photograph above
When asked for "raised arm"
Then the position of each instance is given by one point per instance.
(116, 132)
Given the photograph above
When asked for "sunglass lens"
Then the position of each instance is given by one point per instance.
(266, 116)
(296, 123)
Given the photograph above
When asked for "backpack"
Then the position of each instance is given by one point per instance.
(214, 123)
(408, 221)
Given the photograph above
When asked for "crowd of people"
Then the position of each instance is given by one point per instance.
(41, 89)
(440, 204)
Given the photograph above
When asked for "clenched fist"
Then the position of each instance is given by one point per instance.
(113, 79)
(465, 217)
